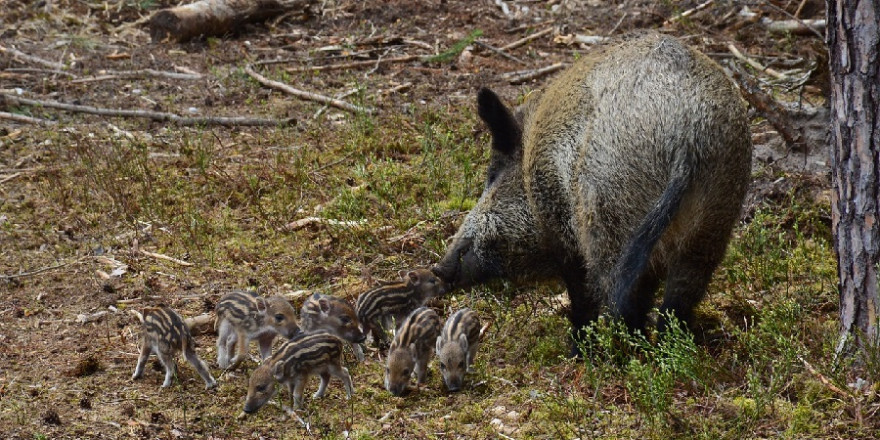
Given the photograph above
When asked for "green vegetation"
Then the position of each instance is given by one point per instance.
(223, 200)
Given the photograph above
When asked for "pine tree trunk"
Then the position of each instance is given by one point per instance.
(854, 58)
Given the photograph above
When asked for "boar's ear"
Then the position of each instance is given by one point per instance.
(506, 133)
(439, 344)
(323, 304)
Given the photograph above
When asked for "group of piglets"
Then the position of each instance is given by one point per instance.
(315, 345)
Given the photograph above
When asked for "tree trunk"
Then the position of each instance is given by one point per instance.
(218, 17)
(854, 59)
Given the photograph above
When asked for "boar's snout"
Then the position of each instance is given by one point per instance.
(449, 269)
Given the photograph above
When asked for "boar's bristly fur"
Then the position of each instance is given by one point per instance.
(627, 170)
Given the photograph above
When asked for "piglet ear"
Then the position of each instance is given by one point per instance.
(262, 305)
(278, 371)
(439, 344)
(463, 342)
(324, 304)
(413, 277)
(506, 132)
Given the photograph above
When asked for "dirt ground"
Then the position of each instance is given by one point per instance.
(67, 345)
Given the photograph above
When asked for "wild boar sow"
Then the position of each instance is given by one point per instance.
(627, 170)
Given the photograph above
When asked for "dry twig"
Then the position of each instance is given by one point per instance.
(522, 76)
(121, 74)
(523, 41)
(355, 64)
(166, 258)
(689, 12)
(755, 64)
(156, 116)
(305, 95)
(25, 119)
(770, 109)
(19, 55)
(498, 51)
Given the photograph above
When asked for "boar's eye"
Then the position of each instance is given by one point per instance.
(261, 388)
(461, 364)
(345, 320)
(442, 366)
(279, 317)
(406, 372)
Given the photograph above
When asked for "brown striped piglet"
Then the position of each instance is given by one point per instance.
(380, 308)
(411, 350)
(164, 333)
(244, 316)
(335, 316)
(457, 346)
(305, 355)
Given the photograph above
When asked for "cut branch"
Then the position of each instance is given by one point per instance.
(156, 116)
(770, 109)
(305, 95)
(218, 17)
(526, 40)
(166, 258)
(522, 76)
(355, 64)
(755, 64)
(499, 52)
(797, 26)
(689, 12)
(21, 56)
(110, 74)
(25, 119)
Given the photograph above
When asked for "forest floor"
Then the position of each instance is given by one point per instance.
(90, 205)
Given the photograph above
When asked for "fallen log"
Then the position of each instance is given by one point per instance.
(200, 325)
(218, 17)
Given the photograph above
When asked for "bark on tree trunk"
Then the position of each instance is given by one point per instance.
(853, 36)
(217, 17)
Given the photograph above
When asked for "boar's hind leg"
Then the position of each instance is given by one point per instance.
(687, 279)
(585, 305)
(635, 305)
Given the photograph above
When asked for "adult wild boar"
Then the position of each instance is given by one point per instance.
(628, 169)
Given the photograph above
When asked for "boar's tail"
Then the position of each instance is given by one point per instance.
(637, 253)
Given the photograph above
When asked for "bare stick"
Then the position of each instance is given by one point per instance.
(798, 26)
(25, 119)
(308, 221)
(789, 14)
(523, 41)
(166, 258)
(499, 52)
(8, 178)
(825, 380)
(38, 271)
(797, 12)
(689, 12)
(755, 64)
(156, 116)
(32, 70)
(342, 95)
(522, 76)
(305, 95)
(770, 109)
(110, 74)
(21, 56)
(354, 64)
